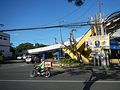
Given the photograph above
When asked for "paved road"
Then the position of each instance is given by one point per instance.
(15, 76)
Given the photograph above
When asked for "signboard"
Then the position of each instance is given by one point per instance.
(48, 64)
(97, 42)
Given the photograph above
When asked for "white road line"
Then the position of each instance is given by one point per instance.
(57, 81)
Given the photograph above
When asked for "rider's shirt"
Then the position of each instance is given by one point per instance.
(42, 65)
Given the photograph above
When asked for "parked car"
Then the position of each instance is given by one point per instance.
(19, 57)
(24, 56)
(28, 59)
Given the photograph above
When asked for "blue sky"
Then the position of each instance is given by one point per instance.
(34, 13)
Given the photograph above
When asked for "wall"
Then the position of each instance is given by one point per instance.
(5, 44)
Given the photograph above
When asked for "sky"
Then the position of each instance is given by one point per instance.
(36, 13)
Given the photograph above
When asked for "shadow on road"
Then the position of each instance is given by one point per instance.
(100, 76)
(70, 71)
(76, 72)
(57, 73)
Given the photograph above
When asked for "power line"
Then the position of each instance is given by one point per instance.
(73, 25)
(63, 17)
(83, 14)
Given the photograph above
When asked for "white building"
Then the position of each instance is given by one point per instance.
(5, 44)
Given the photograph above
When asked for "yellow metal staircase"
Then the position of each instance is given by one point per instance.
(80, 48)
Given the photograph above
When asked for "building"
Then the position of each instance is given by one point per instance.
(5, 44)
(56, 48)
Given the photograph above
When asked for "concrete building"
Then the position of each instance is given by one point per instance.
(5, 44)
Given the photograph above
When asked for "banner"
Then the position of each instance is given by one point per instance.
(101, 41)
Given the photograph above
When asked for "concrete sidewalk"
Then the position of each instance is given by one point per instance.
(65, 68)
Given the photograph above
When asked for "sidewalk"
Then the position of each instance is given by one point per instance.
(59, 67)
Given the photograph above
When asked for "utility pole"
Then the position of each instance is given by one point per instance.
(100, 19)
(55, 40)
(101, 25)
(61, 32)
(61, 39)
(99, 4)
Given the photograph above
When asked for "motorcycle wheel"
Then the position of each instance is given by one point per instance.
(47, 74)
(33, 73)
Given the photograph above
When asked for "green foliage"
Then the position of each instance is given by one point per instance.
(77, 2)
(68, 61)
(37, 45)
(24, 46)
(1, 25)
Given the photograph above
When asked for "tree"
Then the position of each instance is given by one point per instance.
(77, 2)
(12, 49)
(1, 25)
(24, 46)
(37, 45)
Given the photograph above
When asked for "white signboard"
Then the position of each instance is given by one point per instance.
(98, 41)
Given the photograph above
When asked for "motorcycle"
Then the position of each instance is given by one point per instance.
(40, 72)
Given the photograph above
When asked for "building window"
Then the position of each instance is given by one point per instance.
(5, 38)
(2, 51)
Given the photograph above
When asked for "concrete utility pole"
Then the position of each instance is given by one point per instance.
(55, 40)
(61, 32)
(101, 25)
(61, 39)
(99, 4)
(101, 29)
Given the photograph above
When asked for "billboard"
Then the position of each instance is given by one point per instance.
(100, 41)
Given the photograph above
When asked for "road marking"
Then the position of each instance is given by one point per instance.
(58, 81)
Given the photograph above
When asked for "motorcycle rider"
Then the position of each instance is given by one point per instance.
(41, 65)
(40, 70)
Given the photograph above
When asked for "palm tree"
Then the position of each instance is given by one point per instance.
(77, 2)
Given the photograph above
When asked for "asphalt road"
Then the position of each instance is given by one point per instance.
(15, 76)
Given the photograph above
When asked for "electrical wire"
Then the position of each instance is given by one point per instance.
(83, 14)
(73, 25)
(63, 17)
